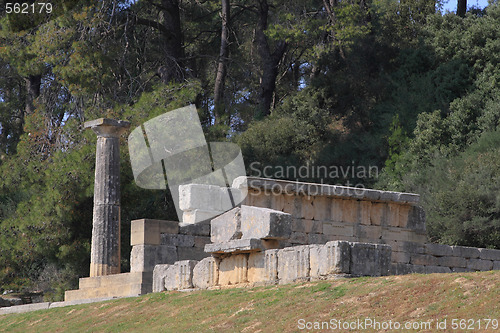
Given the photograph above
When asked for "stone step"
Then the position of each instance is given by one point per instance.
(242, 246)
(117, 285)
(115, 291)
(115, 279)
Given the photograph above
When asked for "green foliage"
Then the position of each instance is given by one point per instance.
(461, 195)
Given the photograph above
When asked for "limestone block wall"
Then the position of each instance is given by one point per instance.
(275, 266)
(323, 213)
(439, 258)
(165, 242)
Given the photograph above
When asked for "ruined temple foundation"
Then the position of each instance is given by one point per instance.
(285, 232)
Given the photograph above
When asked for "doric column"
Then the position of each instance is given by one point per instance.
(105, 250)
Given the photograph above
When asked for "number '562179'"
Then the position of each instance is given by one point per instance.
(26, 8)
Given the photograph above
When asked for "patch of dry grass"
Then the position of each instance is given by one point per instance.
(410, 298)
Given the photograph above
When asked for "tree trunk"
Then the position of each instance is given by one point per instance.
(461, 8)
(220, 78)
(170, 19)
(33, 84)
(270, 60)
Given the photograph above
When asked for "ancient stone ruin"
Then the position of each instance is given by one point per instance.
(282, 232)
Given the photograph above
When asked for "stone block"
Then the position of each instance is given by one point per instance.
(395, 234)
(394, 268)
(412, 247)
(261, 199)
(201, 241)
(263, 267)
(410, 198)
(322, 208)
(389, 196)
(393, 215)
(277, 202)
(145, 231)
(206, 273)
(336, 210)
(416, 219)
(371, 232)
(307, 226)
(168, 227)
(316, 227)
(452, 261)
(233, 269)
(461, 270)
(207, 197)
(489, 254)
(298, 225)
(365, 209)
(316, 239)
(479, 264)
(226, 227)
(465, 252)
(378, 213)
(250, 196)
(350, 211)
(159, 274)
(231, 197)
(384, 259)
(423, 259)
(241, 246)
(401, 257)
(417, 236)
(398, 268)
(338, 229)
(114, 285)
(299, 238)
(496, 264)
(307, 208)
(371, 195)
(404, 211)
(403, 269)
(199, 215)
(292, 205)
(437, 269)
(315, 259)
(363, 259)
(180, 275)
(195, 253)
(330, 258)
(293, 264)
(438, 250)
(196, 229)
(265, 223)
(331, 238)
(143, 258)
(370, 259)
(177, 240)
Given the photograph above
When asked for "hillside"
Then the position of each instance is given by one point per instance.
(415, 299)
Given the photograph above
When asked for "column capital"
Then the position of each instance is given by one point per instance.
(105, 127)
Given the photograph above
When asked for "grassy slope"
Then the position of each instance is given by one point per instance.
(415, 298)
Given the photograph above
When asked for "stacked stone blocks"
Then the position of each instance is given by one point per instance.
(156, 242)
(278, 266)
(439, 258)
(247, 252)
(201, 202)
(323, 213)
